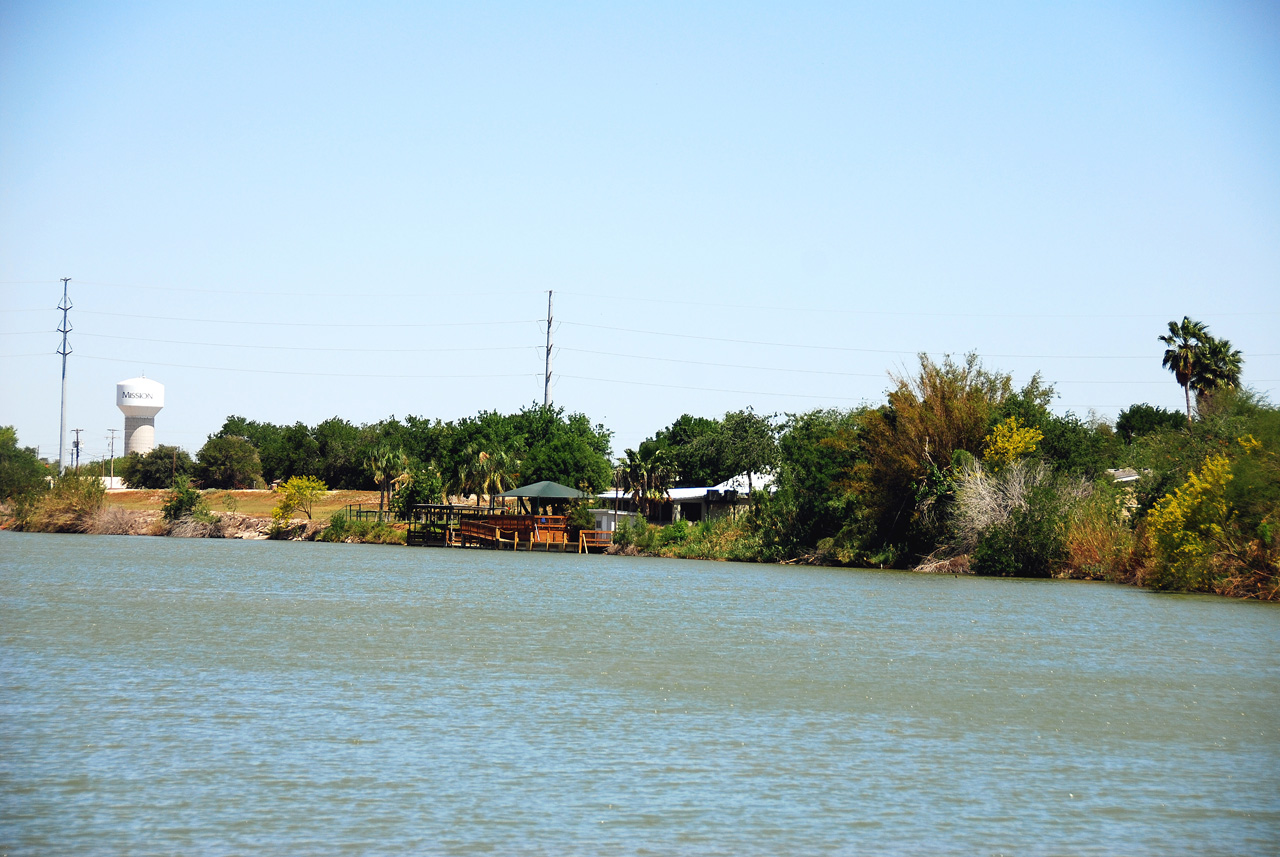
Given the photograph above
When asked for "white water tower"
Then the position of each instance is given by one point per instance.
(140, 399)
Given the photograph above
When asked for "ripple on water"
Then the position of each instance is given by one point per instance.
(224, 697)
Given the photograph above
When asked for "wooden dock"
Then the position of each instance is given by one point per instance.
(468, 526)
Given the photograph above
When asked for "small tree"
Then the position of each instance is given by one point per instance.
(298, 494)
(750, 444)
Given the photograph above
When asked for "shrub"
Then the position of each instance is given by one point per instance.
(343, 529)
(1099, 542)
(635, 532)
(1187, 526)
(1029, 543)
(70, 506)
(184, 501)
(673, 534)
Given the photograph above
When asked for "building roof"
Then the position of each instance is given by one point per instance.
(760, 481)
(546, 491)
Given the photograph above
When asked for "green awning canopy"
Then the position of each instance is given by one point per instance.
(545, 491)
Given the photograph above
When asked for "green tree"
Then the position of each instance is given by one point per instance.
(339, 448)
(22, 474)
(819, 456)
(297, 494)
(156, 469)
(1138, 420)
(696, 451)
(1182, 356)
(750, 444)
(228, 462)
(423, 485)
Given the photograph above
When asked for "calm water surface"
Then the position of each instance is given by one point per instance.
(208, 697)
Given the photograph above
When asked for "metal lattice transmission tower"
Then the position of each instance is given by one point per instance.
(546, 389)
(64, 350)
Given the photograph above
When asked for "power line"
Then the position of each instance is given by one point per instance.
(237, 345)
(722, 365)
(707, 389)
(905, 313)
(306, 374)
(852, 349)
(312, 323)
(258, 293)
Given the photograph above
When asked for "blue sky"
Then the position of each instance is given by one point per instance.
(292, 212)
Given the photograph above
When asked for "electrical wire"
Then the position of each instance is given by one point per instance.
(313, 348)
(904, 313)
(309, 323)
(707, 389)
(380, 375)
(852, 349)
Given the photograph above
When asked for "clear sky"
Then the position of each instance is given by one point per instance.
(295, 211)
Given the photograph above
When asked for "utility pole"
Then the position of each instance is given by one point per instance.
(76, 447)
(113, 456)
(546, 390)
(64, 329)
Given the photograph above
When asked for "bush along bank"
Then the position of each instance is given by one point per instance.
(960, 472)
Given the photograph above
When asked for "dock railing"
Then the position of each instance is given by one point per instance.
(588, 539)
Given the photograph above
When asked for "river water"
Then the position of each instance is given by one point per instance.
(212, 697)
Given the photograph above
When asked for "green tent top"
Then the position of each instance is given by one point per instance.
(546, 491)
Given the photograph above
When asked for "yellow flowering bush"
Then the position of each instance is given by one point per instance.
(1009, 441)
(1187, 526)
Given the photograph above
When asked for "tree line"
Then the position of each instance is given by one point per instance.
(957, 469)
(473, 455)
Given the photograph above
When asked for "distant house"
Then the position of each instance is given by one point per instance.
(698, 504)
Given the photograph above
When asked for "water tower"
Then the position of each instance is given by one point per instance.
(140, 399)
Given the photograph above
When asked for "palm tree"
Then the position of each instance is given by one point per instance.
(386, 464)
(470, 476)
(1218, 367)
(1185, 342)
(647, 477)
(498, 472)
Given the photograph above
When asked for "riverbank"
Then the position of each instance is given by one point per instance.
(730, 538)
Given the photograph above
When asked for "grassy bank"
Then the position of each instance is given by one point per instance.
(256, 504)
